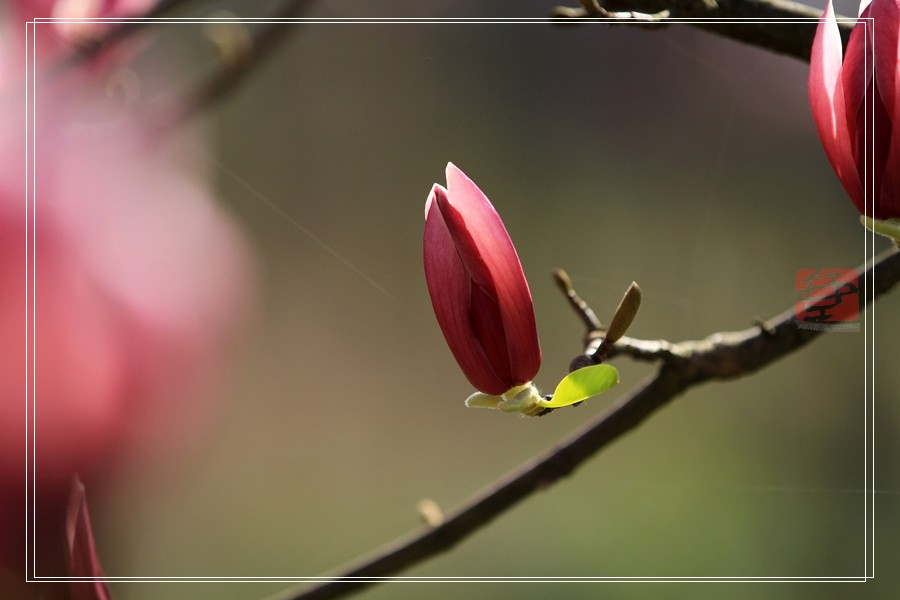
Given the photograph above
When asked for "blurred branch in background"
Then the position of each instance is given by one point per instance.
(742, 20)
(241, 51)
(91, 49)
(682, 366)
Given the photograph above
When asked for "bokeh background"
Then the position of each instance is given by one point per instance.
(686, 162)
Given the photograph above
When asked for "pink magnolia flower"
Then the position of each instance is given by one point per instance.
(477, 287)
(136, 283)
(856, 109)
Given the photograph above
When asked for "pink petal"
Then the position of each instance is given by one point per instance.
(500, 259)
(886, 15)
(81, 555)
(856, 79)
(826, 97)
(485, 316)
(449, 288)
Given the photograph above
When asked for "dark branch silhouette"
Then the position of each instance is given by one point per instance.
(681, 366)
(741, 20)
(748, 21)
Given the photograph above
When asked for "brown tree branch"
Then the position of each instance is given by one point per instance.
(742, 20)
(682, 365)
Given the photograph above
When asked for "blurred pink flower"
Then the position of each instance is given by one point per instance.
(855, 108)
(478, 290)
(138, 286)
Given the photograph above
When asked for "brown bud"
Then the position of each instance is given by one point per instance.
(625, 314)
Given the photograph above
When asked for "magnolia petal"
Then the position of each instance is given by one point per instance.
(856, 70)
(483, 309)
(886, 59)
(827, 101)
(863, 107)
(449, 288)
(81, 558)
(499, 257)
(581, 384)
(886, 15)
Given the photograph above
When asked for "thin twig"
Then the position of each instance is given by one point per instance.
(771, 24)
(683, 365)
(593, 8)
(581, 308)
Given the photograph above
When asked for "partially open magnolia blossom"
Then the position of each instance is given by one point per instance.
(478, 289)
(484, 307)
(856, 108)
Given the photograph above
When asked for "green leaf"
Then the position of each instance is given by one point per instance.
(582, 384)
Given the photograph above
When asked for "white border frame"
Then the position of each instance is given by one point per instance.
(868, 318)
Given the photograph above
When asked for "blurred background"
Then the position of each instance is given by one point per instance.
(672, 157)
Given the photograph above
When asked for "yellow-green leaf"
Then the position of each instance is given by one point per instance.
(581, 384)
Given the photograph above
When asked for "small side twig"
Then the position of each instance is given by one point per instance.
(581, 308)
(599, 340)
(593, 9)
